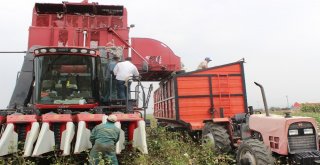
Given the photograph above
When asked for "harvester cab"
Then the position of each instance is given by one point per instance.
(65, 79)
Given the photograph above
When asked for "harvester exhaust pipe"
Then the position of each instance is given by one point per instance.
(84, 38)
(264, 98)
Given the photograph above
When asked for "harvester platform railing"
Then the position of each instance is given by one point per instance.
(136, 91)
(139, 89)
(148, 96)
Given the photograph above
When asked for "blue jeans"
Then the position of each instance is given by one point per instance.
(121, 89)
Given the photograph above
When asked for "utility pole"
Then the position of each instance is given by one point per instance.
(287, 101)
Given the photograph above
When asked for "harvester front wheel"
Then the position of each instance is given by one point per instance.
(217, 136)
(254, 152)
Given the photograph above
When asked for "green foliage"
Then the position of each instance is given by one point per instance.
(310, 108)
(315, 115)
(101, 160)
(16, 158)
(55, 158)
(175, 148)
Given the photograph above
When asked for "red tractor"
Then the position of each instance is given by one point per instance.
(64, 87)
(211, 104)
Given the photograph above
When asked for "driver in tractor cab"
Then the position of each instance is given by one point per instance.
(104, 138)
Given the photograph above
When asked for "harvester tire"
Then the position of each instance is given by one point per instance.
(254, 152)
(218, 136)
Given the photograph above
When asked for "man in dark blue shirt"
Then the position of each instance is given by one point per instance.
(111, 79)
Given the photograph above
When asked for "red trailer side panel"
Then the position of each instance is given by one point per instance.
(201, 95)
(164, 101)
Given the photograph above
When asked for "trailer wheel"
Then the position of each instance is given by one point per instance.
(217, 136)
(254, 152)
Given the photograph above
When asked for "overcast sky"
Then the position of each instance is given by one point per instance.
(279, 40)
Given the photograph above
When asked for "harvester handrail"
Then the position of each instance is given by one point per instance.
(137, 79)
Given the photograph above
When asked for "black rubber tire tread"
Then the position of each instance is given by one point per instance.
(260, 152)
(220, 135)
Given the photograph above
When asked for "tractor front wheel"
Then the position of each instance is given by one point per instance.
(217, 136)
(254, 152)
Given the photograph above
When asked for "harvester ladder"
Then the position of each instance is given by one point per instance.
(222, 84)
(229, 95)
(219, 83)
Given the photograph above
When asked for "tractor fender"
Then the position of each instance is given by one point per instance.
(224, 120)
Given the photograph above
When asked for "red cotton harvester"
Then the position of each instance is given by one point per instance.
(64, 88)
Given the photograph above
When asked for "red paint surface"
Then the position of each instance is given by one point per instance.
(22, 118)
(89, 117)
(131, 127)
(66, 30)
(129, 117)
(52, 118)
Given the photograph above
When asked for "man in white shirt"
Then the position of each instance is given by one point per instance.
(123, 71)
(204, 64)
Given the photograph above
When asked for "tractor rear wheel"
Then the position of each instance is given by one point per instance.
(217, 136)
(254, 152)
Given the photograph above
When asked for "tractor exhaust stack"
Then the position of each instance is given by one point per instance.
(264, 98)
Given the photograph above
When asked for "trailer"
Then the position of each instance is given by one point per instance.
(203, 99)
(211, 104)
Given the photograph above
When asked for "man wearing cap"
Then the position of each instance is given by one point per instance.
(204, 64)
(104, 138)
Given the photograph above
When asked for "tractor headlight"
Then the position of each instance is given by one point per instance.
(308, 131)
(293, 132)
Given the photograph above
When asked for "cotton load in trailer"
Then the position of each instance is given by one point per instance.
(190, 99)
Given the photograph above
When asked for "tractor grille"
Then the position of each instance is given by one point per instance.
(302, 143)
